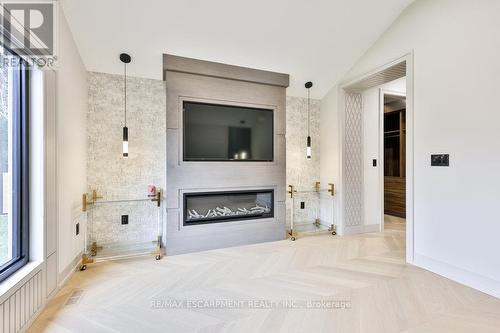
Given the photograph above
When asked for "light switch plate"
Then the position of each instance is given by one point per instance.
(440, 160)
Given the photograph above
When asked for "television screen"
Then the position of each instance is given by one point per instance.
(215, 132)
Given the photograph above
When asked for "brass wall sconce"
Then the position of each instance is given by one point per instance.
(291, 190)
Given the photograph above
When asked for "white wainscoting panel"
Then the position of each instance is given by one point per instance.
(23, 303)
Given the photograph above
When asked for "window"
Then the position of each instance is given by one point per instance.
(14, 170)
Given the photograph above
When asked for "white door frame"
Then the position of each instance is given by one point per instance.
(381, 150)
(408, 58)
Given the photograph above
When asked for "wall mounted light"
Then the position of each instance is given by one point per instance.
(308, 86)
(125, 58)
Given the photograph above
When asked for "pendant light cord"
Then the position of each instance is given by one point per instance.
(308, 111)
(125, 91)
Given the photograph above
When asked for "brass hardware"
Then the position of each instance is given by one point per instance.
(157, 252)
(291, 190)
(333, 229)
(317, 223)
(95, 196)
(84, 202)
(85, 261)
(93, 199)
(94, 248)
(316, 186)
(292, 234)
(331, 189)
(157, 198)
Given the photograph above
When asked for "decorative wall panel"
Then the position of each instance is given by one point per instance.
(194, 80)
(22, 305)
(353, 161)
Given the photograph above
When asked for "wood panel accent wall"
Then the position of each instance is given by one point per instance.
(395, 158)
(201, 81)
(395, 196)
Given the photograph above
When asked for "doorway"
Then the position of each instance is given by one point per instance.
(361, 197)
(393, 148)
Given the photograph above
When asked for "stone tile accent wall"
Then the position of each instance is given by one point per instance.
(114, 177)
(300, 171)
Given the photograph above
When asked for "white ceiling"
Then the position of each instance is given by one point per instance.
(312, 40)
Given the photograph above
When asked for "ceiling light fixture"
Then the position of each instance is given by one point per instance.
(125, 58)
(308, 86)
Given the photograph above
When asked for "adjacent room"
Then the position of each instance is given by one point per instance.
(258, 166)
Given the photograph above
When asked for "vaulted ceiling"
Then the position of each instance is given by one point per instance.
(312, 40)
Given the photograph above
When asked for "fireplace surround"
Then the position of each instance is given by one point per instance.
(215, 221)
(226, 206)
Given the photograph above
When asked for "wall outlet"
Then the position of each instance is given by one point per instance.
(124, 219)
(302, 205)
(77, 229)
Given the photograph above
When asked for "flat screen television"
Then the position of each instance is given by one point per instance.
(214, 132)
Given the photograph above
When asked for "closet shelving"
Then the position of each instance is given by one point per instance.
(394, 158)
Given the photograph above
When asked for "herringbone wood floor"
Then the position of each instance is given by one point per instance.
(366, 272)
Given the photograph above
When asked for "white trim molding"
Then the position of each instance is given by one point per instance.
(470, 279)
(374, 78)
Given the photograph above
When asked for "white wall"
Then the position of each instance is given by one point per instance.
(456, 79)
(71, 105)
(371, 150)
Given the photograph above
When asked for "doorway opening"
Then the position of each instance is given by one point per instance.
(363, 153)
(393, 119)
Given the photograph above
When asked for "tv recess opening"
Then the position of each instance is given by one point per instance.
(214, 133)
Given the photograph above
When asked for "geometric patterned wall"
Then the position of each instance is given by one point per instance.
(353, 161)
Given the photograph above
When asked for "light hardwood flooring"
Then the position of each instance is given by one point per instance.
(364, 276)
(394, 223)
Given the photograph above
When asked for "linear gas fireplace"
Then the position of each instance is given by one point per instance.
(215, 207)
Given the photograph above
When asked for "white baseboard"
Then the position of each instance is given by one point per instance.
(361, 229)
(73, 266)
(470, 279)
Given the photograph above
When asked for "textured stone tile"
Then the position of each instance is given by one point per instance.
(114, 177)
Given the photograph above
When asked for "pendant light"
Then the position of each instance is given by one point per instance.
(125, 58)
(308, 148)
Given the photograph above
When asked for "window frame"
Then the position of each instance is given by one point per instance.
(20, 168)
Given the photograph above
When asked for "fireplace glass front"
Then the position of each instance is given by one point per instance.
(214, 207)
